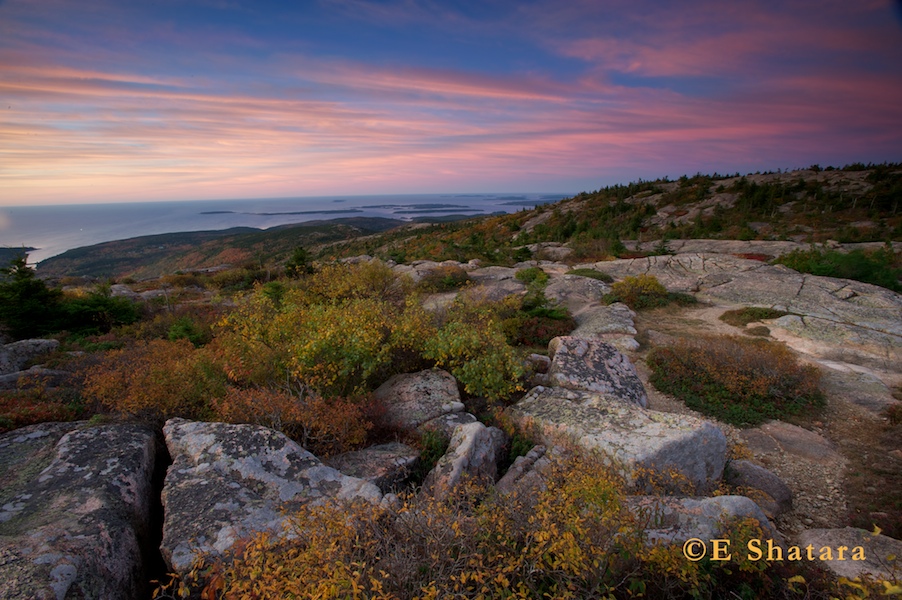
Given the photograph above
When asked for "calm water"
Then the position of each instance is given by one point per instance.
(55, 229)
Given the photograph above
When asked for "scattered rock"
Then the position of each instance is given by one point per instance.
(75, 510)
(876, 550)
(230, 481)
(386, 465)
(778, 498)
(473, 453)
(637, 438)
(539, 362)
(14, 357)
(525, 476)
(411, 399)
(594, 366)
(446, 424)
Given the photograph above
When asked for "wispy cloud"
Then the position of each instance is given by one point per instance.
(99, 116)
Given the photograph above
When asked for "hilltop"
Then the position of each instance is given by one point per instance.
(856, 203)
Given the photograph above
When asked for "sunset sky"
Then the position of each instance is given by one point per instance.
(107, 101)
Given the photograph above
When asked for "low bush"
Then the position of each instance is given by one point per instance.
(324, 426)
(445, 278)
(478, 356)
(741, 317)
(645, 291)
(591, 273)
(540, 330)
(881, 267)
(156, 380)
(532, 275)
(740, 381)
(19, 408)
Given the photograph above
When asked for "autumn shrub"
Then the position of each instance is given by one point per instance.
(38, 404)
(324, 426)
(339, 346)
(444, 278)
(644, 291)
(373, 279)
(741, 317)
(182, 280)
(740, 381)
(157, 380)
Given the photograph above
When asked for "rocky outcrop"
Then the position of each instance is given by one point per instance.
(473, 453)
(386, 466)
(14, 357)
(675, 520)
(834, 319)
(75, 505)
(411, 399)
(875, 548)
(638, 439)
(594, 366)
(576, 293)
(775, 496)
(613, 324)
(229, 481)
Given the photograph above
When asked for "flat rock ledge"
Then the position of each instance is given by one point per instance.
(877, 550)
(636, 438)
(594, 366)
(229, 482)
(74, 510)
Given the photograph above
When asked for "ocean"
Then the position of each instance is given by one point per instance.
(54, 229)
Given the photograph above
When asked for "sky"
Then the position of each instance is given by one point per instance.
(119, 101)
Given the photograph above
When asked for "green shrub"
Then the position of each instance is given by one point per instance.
(740, 381)
(880, 267)
(532, 275)
(478, 356)
(592, 273)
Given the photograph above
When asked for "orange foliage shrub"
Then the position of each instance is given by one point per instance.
(158, 379)
(325, 426)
